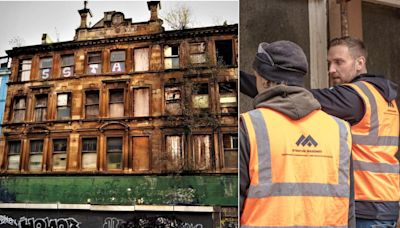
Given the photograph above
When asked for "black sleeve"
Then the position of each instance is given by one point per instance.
(248, 84)
(244, 164)
(342, 102)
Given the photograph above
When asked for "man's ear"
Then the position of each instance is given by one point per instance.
(360, 63)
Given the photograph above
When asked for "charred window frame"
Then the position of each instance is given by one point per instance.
(224, 52)
(228, 97)
(59, 156)
(200, 96)
(141, 100)
(198, 54)
(94, 63)
(35, 155)
(24, 70)
(201, 152)
(67, 65)
(114, 153)
(89, 154)
(40, 107)
(63, 106)
(14, 155)
(92, 104)
(171, 56)
(19, 109)
(173, 99)
(141, 59)
(116, 102)
(46, 65)
(174, 151)
(230, 144)
(117, 61)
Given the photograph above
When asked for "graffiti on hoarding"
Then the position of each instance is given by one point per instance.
(5, 220)
(112, 222)
(24, 222)
(191, 225)
(159, 222)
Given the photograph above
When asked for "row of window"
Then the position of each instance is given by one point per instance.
(116, 102)
(141, 58)
(56, 158)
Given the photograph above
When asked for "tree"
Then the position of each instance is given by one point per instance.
(16, 41)
(179, 17)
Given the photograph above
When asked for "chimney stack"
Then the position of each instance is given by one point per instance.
(84, 15)
(153, 6)
(46, 39)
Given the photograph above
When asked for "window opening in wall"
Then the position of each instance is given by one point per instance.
(114, 153)
(224, 52)
(19, 109)
(24, 70)
(67, 65)
(92, 104)
(228, 97)
(89, 153)
(171, 57)
(198, 53)
(174, 151)
(116, 105)
(63, 106)
(230, 142)
(59, 154)
(173, 100)
(14, 155)
(200, 95)
(45, 67)
(141, 102)
(35, 155)
(201, 152)
(141, 56)
(94, 63)
(117, 61)
(141, 160)
(41, 108)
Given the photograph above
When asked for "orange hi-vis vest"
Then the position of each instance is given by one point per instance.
(375, 143)
(299, 170)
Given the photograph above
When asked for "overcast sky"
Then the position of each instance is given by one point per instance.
(59, 19)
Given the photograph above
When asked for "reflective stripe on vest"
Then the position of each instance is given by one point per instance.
(375, 143)
(262, 187)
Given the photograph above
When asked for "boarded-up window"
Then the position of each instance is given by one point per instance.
(230, 142)
(92, 104)
(228, 97)
(117, 61)
(201, 152)
(94, 63)
(19, 109)
(141, 100)
(200, 95)
(173, 100)
(14, 155)
(89, 153)
(171, 57)
(45, 67)
(174, 151)
(41, 108)
(141, 56)
(59, 154)
(63, 106)
(67, 65)
(24, 70)
(141, 153)
(116, 104)
(114, 153)
(35, 155)
(198, 53)
(224, 52)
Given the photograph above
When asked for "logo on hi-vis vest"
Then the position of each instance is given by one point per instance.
(309, 141)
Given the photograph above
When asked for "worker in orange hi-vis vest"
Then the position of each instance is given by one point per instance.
(294, 158)
(368, 103)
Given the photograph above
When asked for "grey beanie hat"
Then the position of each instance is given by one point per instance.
(281, 61)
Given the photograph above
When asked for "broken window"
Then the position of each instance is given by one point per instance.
(198, 53)
(114, 153)
(89, 153)
(171, 57)
(59, 154)
(24, 70)
(92, 104)
(174, 151)
(141, 56)
(141, 102)
(14, 155)
(45, 67)
(63, 106)
(35, 155)
(173, 100)
(141, 160)
(41, 108)
(201, 152)
(67, 65)
(117, 61)
(228, 97)
(94, 63)
(200, 95)
(19, 109)
(230, 142)
(224, 51)
(116, 103)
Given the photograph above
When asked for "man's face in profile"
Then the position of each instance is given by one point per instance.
(342, 65)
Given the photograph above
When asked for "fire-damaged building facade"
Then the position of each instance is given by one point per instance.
(125, 122)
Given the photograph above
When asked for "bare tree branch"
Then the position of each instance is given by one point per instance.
(178, 18)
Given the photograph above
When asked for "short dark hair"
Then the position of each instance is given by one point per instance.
(356, 46)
